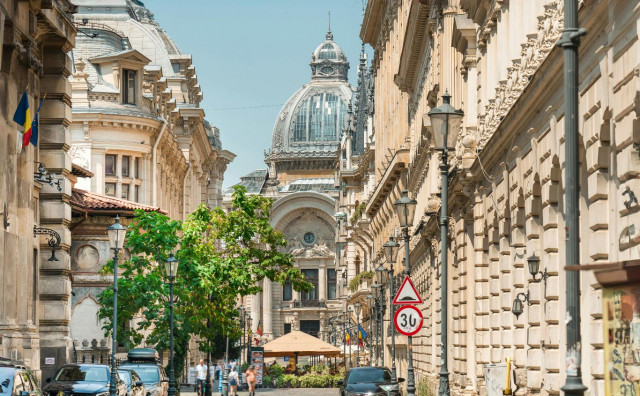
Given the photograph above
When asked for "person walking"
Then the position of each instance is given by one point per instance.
(251, 380)
(233, 381)
(201, 377)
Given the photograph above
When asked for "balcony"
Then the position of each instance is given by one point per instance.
(309, 304)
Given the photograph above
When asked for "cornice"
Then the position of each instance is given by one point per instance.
(398, 163)
(419, 29)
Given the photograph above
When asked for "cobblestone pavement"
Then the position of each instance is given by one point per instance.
(278, 392)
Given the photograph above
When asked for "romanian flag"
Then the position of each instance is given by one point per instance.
(22, 117)
(347, 337)
(259, 329)
(35, 125)
(361, 335)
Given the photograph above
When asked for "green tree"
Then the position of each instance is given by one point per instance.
(222, 255)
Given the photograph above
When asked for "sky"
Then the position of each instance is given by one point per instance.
(251, 56)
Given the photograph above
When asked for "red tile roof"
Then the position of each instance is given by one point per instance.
(91, 202)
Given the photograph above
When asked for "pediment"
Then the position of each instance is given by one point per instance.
(129, 56)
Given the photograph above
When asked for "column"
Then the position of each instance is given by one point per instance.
(322, 282)
(255, 310)
(267, 311)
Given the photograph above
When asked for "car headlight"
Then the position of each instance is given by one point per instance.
(390, 388)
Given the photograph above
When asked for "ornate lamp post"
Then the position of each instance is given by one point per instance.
(376, 310)
(249, 340)
(570, 41)
(381, 280)
(171, 268)
(371, 310)
(116, 233)
(445, 121)
(391, 254)
(358, 309)
(241, 311)
(405, 209)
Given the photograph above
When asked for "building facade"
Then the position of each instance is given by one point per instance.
(138, 129)
(35, 38)
(300, 177)
(500, 63)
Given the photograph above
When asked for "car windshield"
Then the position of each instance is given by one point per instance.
(148, 373)
(6, 380)
(369, 376)
(83, 373)
(126, 376)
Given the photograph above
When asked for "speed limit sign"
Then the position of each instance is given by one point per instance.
(408, 320)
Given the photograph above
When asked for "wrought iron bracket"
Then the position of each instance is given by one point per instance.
(5, 217)
(43, 176)
(53, 242)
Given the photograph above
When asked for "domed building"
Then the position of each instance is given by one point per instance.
(300, 177)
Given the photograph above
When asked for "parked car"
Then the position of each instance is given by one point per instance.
(85, 379)
(146, 363)
(374, 381)
(135, 386)
(17, 380)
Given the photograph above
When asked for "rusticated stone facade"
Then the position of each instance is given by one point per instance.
(499, 62)
(35, 38)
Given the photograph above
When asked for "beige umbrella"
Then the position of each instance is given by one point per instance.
(298, 343)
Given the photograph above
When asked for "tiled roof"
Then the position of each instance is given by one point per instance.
(92, 202)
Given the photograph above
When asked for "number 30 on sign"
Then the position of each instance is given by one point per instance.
(408, 320)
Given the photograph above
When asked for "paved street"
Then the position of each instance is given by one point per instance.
(284, 392)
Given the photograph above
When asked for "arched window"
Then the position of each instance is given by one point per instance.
(320, 118)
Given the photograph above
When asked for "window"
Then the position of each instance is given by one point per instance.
(136, 168)
(110, 189)
(300, 134)
(320, 118)
(125, 192)
(357, 265)
(136, 194)
(315, 121)
(311, 276)
(110, 164)
(287, 293)
(332, 282)
(287, 328)
(126, 160)
(129, 86)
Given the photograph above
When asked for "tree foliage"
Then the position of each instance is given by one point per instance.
(221, 256)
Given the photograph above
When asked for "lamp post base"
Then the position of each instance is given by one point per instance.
(443, 386)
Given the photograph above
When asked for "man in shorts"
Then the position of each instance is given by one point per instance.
(251, 380)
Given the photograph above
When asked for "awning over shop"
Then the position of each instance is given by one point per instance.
(298, 343)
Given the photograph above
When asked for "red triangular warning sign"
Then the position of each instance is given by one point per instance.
(407, 294)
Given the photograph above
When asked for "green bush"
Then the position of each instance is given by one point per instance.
(266, 381)
(290, 381)
(275, 371)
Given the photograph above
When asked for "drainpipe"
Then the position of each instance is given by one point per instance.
(154, 172)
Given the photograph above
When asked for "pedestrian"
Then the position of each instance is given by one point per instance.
(201, 377)
(233, 381)
(251, 380)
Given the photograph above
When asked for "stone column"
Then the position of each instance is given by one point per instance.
(55, 212)
(267, 311)
(255, 310)
(322, 282)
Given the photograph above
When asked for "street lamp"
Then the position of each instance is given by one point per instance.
(381, 278)
(445, 121)
(533, 263)
(241, 312)
(358, 309)
(116, 233)
(376, 313)
(391, 254)
(405, 209)
(171, 268)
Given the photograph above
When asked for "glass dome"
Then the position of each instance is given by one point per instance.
(319, 118)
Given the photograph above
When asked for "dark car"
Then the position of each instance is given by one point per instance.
(361, 381)
(17, 380)
(146, 363)
(85, 379)
(135, 386)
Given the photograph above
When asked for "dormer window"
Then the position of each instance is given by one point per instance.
(128, 86)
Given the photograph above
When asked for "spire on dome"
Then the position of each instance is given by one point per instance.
(329, 35)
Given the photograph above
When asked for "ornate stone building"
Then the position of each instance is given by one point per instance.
(300, 177)
(139, 130)
(35, 38)
(499, 62)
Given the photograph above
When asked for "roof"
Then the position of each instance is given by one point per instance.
(79, 171)
(319, 185)
(301, 344)
(253, 182)
(91, 202)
